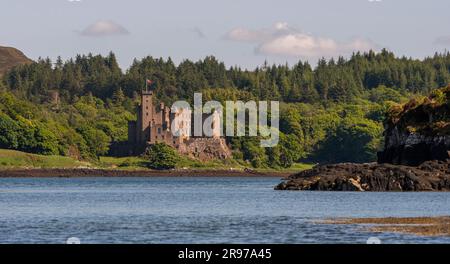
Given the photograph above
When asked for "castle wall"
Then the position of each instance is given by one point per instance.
(153, 125)
(132, 126)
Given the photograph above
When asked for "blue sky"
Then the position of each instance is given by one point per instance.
(238, 32)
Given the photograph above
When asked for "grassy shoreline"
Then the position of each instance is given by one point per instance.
(19, 163)
(86, 173)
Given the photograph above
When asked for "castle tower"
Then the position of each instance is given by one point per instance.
(146, 116)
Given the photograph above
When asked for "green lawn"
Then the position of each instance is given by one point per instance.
(17, 159)
(297, 167)
(136, 163)
(127, 163)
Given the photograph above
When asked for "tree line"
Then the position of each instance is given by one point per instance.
(331, 80)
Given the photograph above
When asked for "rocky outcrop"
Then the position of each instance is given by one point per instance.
(412, 149)
(429, 176)
(418, 131)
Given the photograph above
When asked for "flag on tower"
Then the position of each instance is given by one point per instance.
(148, 83)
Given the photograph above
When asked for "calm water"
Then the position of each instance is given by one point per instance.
(196, 210)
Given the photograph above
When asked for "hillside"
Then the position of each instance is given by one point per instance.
(11, 57)
(329, 113)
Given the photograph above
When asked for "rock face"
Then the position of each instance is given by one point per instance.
(412, 149)
(418, 131)
(430, 176)
(11, 57)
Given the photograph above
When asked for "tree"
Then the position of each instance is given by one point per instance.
(97, 141)
(161, 156)
(382, 94)
(118, 96)
(354, 140)
(46, 141)
(8, 132)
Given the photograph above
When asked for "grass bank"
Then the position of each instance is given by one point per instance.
(11, 159)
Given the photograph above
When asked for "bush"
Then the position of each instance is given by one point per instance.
(161, 156)
(8, 132)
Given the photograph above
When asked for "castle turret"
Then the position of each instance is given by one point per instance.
(147, 114)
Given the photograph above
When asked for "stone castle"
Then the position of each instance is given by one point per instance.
(154, 125)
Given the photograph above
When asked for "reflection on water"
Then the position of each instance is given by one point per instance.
(196, 210)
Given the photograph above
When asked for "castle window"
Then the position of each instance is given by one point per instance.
(146, 113)
(159, 130)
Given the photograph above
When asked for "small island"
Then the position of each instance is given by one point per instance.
(415, 156)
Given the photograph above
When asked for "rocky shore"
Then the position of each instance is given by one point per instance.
(70, 173)
(429, 176)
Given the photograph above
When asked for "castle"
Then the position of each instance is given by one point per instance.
(154, 125)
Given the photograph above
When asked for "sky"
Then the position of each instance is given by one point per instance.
(238, 32)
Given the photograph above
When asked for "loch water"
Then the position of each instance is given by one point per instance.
(197, 210)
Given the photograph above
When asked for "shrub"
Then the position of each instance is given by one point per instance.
(161, 156)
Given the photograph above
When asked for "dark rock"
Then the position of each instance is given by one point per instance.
(429, 176)
(412, 149)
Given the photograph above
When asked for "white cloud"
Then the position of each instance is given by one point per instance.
(283, 40)
(299, 45)
(104, 28)
(281, 26)
(242, 34)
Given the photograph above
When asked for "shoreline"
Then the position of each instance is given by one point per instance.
(419, 226)
(81, 173)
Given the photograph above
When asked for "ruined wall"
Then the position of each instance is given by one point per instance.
(205, 148)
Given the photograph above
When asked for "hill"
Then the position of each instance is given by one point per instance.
(11, 57)
(330, 113)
